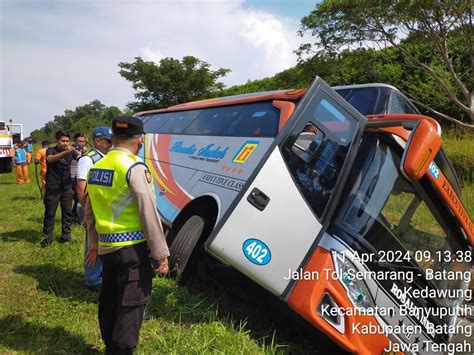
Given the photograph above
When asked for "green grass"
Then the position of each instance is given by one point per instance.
(460, 148)
(45, 308)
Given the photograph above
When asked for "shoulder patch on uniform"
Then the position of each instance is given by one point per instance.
(148, 175)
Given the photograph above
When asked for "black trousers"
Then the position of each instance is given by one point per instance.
(51, 200)
(126, 289)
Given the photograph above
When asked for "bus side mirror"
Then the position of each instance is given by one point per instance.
(422, 146)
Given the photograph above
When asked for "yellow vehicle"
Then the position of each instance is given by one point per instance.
(10, 134)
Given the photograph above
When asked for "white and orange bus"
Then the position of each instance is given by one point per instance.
(356, 222)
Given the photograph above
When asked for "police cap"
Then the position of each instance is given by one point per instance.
(127, 126)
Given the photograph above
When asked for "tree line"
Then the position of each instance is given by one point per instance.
(422, 47)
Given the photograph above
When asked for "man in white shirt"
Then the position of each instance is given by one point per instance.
(102, 143)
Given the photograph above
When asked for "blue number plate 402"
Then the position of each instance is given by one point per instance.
(256, 251)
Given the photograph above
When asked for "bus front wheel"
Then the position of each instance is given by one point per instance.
(183, 244)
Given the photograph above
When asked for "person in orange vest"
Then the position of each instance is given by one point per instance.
(41, 159)
(21, 163)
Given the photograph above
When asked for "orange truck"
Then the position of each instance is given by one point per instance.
(339, 201)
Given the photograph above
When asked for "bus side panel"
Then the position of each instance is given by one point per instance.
(222, 188)
(170, 200)
(187, 166)
(225, 181)
(169, 182)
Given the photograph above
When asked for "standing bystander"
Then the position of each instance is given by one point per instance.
(41, 159)
(58, 188)
(80, 146)
(101, 139)
(21, 164)
(29, 149)
(124, 226)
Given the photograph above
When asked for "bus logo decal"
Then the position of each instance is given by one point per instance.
(210, 152)
(256, 251)
(245, 151)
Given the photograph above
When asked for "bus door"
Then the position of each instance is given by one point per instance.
(274, 223)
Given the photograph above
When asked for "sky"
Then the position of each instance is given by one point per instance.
(57, 55)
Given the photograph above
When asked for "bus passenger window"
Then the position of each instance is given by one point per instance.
(255, 120)
(153, 123)
(179, 121)
(213, 121)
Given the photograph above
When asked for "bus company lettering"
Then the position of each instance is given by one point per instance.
(208, 151)
(225, 182)
(178, 147)
(403, 297)
(457, 204)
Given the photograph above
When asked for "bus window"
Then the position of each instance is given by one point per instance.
(153, 123)
(367, 100)
(260, 119)
(307, 142)
(340, 125)
(315, 152)
(213, 121)
(249, 120)
(400, 105)
(178, 121)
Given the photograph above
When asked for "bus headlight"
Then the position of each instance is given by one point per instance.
(357, 290)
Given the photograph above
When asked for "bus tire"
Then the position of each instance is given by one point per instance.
(183, 245)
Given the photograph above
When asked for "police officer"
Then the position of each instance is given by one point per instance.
(123, 229)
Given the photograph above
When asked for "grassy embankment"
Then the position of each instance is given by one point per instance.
(44, 307)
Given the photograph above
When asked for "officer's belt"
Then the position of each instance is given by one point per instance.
(121, 239)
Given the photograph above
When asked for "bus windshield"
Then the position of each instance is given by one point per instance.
(392, 213)
(367, 100)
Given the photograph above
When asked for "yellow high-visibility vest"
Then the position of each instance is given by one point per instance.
(93, 154)
(117, 218)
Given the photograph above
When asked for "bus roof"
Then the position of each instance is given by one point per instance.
(367, 85)
(287, 95)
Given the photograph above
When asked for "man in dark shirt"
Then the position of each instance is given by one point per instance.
(58, 188)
